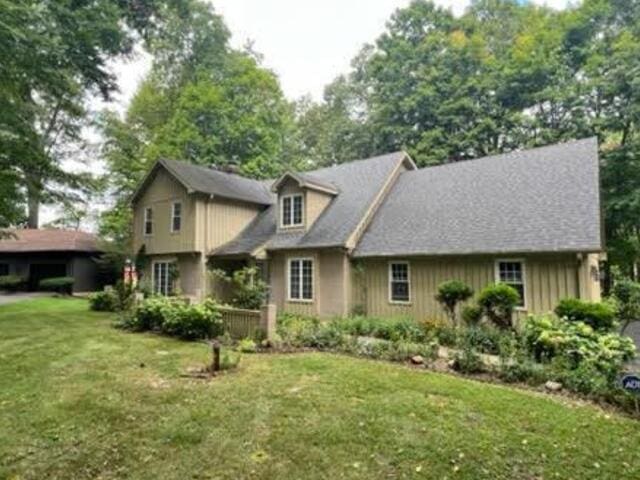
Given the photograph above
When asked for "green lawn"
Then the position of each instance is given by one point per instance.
(79, 399)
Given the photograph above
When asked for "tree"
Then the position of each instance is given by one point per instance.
(202, 102)
(450, 294)
(53, 54)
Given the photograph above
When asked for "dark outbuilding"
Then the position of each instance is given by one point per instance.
(36, 254)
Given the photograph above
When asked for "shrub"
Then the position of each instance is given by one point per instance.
(103, 301)
(247, 345)
(62, 285)
(12, 283)
(600, 316)
(523, 371)
(249, 290)
(191, 322)
(576, 343)
(472, 315)
(467, 360)
(149, 314)
(627, 295)
(296, 330)
(485, 339)
(498, 302)
(446, 335)
(125, 295)
(450, 294)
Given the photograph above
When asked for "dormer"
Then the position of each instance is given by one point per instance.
(301, 200)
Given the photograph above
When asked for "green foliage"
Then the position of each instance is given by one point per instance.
(472, 315)
(53, 54)
(450, 294)
(176, 317)
(391, 328)
(577, 343)
(249, 290)
(103, 301)
(467, 360)
(12, 283)
(598, 315)
(485, 339)
(498, 302)
(627, 296)
(523, 371)
(62, 285)
(191, 322)
(229, 359)
(247, 345)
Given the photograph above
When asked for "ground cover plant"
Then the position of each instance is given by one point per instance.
(79, 399)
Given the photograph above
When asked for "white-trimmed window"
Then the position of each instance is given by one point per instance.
(399, 282)
(148, 221)
(300, 279)
(162, 283)
(291, 210)
(512, 272)
(176, 216)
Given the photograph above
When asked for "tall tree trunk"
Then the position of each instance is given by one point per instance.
(33, 203)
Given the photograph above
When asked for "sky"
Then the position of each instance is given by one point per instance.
(307, 43)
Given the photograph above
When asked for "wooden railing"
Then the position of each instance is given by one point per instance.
(241, 323)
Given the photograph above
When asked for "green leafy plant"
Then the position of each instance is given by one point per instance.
(450, 294)
(62, 285)
(599, 315)
(249, 290)
(498, 302)
(103, 301)
(191, 322)
(12, 283)
(472, 315)
(467, 360)
(247, 345)
(627, 296)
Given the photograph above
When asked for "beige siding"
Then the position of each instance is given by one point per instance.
(314, 204)
(548, 279)
(220, 220)
(332, 282)
(160, 194)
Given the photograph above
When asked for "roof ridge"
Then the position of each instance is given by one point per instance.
(504, 154)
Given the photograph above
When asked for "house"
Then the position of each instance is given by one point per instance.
(36, 254)
(379, 235)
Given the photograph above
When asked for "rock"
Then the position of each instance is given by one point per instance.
(553, 386)
(417, 360)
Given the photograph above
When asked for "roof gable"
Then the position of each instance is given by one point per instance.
(196, 178)
(305, 180)
(544, 199)
(359, 183)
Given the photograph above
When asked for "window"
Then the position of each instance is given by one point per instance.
(148, 221)
(162, 284)
(511, 272)
(4, 269)
(301, 279)
(399, 284)
(291, 210)
(176, 216)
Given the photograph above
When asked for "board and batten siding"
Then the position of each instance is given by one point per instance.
(331, 283)
(160, 195)
(549, 278)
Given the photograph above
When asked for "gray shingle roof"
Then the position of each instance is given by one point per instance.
(358, 184)
(308, 180)
(545, 199)
(214, 182)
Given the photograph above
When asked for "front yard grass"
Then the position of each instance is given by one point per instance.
(79, 399)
